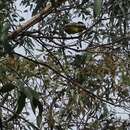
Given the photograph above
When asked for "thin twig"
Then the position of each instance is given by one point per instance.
(20, 117)
(69, 79)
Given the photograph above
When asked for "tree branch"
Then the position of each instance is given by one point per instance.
(35, 19)
(69, 79)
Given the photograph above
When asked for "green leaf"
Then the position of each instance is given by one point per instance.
(126, 79)
(30, 93)
(40, 107)
(97, 7)
(26, 91)
(79, 60)
(7, 88)
(34, 104)
(4, 32)
(34, 98)
(21, 103)
(39, 120)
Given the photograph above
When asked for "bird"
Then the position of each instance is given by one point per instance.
(73, 28)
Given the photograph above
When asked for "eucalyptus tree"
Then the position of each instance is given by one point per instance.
(64, 64)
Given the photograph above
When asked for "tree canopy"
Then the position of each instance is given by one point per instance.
(64, 64)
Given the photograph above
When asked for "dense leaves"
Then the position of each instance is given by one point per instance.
(7, 88)
(67, 67)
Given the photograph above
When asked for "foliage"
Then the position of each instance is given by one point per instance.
(54, 80)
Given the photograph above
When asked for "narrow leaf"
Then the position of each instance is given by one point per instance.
(39, 120)
(34, 104)
(21, 103)
(20, 106)
(97, 7)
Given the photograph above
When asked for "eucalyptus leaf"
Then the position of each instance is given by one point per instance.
(97, 7)
(39, 120)
(34, 104)
(21, 103)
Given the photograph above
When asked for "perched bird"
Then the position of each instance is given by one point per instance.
(73, 28)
